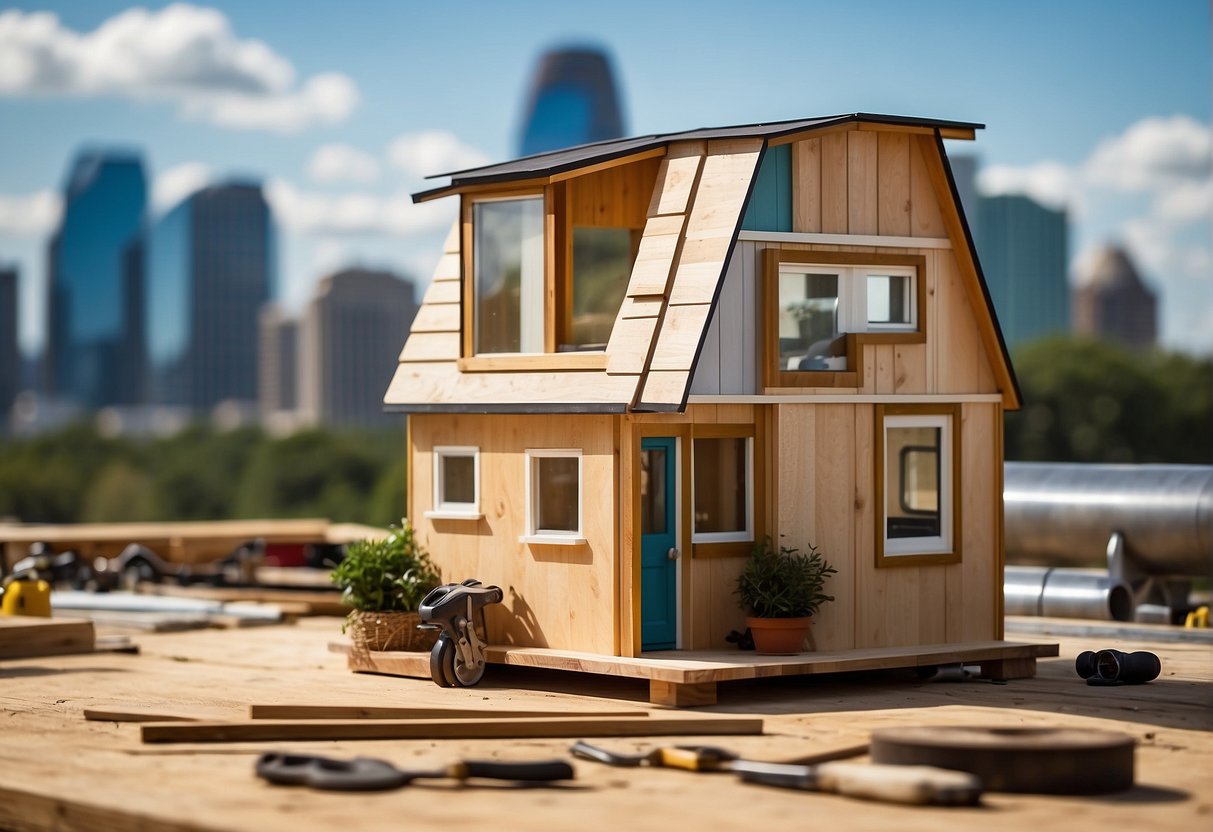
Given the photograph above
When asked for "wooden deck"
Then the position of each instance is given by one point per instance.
(689, 678)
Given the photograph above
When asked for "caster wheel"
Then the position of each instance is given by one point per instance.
(441, 655)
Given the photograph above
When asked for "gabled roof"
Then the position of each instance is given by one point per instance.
(572, 158)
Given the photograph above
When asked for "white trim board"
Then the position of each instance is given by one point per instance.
(843, 239)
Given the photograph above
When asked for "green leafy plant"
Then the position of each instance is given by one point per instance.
(783, 582)
(388, 575)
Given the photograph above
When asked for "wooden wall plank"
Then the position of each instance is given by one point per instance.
(893, 216)
(431, 346)
(834, 212)
(679, 336)
(664, 388)
(678, 178)
(862, 179)
(437, 317)
(910, 368)
(723, 184)
(747, 328)
(654, 262)
(885, 373)
(834, 510)
(443, 291)
(443, 383)
(979, 479)
(806, 186)
(925, 217)
(628, 349)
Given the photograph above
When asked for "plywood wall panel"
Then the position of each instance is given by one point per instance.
(910, 369)
(979, 496)
(862, 179)
(835, 521)
(925, 217)
(834, 216)
(806, 188)
(893, 195)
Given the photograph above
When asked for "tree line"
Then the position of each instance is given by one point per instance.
(1084, 401)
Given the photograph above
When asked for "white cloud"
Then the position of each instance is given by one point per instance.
(1153, 153)
(181, 53)
(176, 183)
(358, 212)
(342, 163)
(432, 152)
(30, 215)
(1186, 202)
(1050, 183)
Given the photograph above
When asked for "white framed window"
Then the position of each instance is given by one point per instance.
(553, 488)
(722, 486)
(456, 483)
(917, 456)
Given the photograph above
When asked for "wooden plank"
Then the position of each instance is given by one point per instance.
(437, 317)
(806, 190)
(678, 338)
(978, 480)
(834, 212)
(448, 266)
(834, 495)
(23, 636)
(147, 713)
(550, 362)
(444, 384)
(925, 217)
(884, 371)
(443, 291)
(630, 345)
(431, 346)
(723, 185)
(269, 730)
(674, 695)
(654, 263)
(862, 183)
(643, 306)
(664, 389)
(675, 184)
(893, 190)
(707, 370)
(295, 712)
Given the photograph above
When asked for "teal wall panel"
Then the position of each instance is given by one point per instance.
(770, 207)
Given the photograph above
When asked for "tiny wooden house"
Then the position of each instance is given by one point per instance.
(638, 357)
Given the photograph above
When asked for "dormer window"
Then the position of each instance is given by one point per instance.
(549, 266)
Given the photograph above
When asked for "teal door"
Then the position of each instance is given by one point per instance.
(658, 545)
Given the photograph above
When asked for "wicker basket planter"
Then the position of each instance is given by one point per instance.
(389, 631)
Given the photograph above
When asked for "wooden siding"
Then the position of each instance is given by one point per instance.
(555, 596)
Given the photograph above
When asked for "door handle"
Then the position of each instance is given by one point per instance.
(672, 554)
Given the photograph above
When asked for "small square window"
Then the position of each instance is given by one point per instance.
(553, 496)
(889, 300)
(456, 482)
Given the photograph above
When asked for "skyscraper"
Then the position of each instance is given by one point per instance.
(94, 283)
(572, 100)
(277, 363)
(10, 356)
(1023, 249)
(1113, 302)
(210, 270)
(348, 341)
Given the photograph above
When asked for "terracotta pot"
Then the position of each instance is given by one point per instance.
(779, 636)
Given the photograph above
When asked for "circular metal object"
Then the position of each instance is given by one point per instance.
(1033, 760)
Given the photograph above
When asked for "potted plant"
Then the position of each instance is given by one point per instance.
(383, 581)
(780, 589)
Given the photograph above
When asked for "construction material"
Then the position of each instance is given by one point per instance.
(1036, 760)
(379, 729)
(138, 713)
(23, 636)
(915, 785)
(1114, 667)
(391, 712)
(366, 774)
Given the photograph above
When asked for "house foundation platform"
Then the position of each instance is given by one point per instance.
(687, 678)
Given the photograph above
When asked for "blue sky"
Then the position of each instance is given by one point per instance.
(341, 107)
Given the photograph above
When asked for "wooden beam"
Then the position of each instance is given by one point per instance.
(23, 636)
(380, 729)
(393, 712)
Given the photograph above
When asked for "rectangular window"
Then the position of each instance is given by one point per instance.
(553, 496)
(507, 262)
(918, 453)
(820, 309)
(602, 263)
(456, 483)
(723, 486)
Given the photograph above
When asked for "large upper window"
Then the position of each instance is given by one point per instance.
(918, 450)
(821, 307)
(507, 262)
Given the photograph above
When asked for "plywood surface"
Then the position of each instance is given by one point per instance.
(59, 771)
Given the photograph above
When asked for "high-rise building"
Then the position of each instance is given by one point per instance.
(1113, 302)
(572, 100)
(94, 283)
(210, 270)
(1023, 250)
(277, 363)
(348, 341)
(10, 355)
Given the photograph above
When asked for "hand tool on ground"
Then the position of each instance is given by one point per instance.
(918, 785)
(1036, 760)
(1115, 667)
(367, 774)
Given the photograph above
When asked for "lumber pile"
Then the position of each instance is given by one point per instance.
(23, 636)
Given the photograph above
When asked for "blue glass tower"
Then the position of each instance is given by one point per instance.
(94, 332)
(572, 100)
(210, 268)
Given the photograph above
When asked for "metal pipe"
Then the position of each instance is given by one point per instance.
(1064, 514)
(1066, 593)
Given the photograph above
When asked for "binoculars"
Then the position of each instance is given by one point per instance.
(1115, 667)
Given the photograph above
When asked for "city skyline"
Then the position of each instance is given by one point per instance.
(341, 135)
